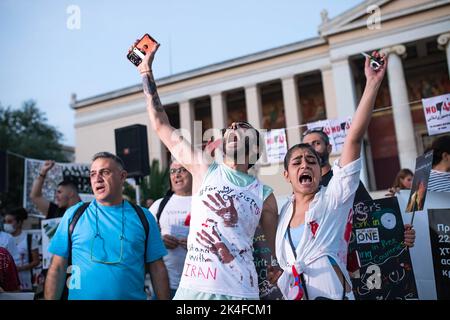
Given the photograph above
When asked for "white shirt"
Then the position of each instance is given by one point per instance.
(173, 222)
(7, 241)
(22, 248)
(328, 223)
(203, 270)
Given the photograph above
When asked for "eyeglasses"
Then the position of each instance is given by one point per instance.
(179, 170)
(98, 235)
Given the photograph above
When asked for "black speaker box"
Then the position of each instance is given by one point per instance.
(132, 148)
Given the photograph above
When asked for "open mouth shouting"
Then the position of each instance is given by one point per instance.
(306, 179)
(99, 188)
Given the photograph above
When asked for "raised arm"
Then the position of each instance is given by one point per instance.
(361, 118)
(36, 190)
(191, 158)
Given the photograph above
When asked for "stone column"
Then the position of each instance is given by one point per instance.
(444, 44)
(344, 88)
(329, 92)
(253, 106)
(218, 111)
(186, 111)
(404, 129)
(291, 109)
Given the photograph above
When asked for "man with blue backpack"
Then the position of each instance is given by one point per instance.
(105, 245)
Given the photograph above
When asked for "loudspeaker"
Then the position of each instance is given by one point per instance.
(3, 172)
(132, 148)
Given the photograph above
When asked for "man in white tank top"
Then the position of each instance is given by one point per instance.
(227, 205)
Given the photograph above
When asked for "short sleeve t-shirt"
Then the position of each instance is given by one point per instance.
(174, 221)
(22, 247)
(54, 211)
(108, 266)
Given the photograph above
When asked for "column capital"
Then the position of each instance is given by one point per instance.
(399, 50)
(443, 40)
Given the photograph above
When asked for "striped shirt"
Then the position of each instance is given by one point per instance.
(439, 181)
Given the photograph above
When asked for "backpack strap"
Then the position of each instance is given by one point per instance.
(163, 203)
(145, 224)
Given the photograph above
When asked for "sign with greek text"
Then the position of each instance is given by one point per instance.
(437, 114)
(439, 222)
(385, 269)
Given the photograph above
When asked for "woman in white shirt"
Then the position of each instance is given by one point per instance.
(315, 225)
(25, 264)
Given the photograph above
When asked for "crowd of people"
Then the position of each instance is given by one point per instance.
(197, 241)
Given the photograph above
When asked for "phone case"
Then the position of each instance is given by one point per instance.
(144, 46)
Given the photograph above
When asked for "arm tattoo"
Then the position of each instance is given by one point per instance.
(150, 89)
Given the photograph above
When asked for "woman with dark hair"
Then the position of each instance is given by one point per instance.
(315, 224)
(27, 247)
(440, 173)
(403, 181)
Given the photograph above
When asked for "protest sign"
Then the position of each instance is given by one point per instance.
(420, 183)
(276, 146)
(377, 236)
(48, 229)
(439, 222)
(437, 114)
(76, 172)
(262, 258)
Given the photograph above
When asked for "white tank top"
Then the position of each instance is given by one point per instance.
(220, 243)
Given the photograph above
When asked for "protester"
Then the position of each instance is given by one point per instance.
(66, 194)
(403, 181)
(173, 215)
(440, 173)
(227, 205)
(9, 277)
(27, 247)
(315, 225)
(108, 245)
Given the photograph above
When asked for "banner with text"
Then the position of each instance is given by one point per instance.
(437, 114)
(336, 129)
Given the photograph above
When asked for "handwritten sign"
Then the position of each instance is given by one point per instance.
(385, 265)
(437, 114)
(336, 130)
(420, 183)
(262, 258)
(439, 222)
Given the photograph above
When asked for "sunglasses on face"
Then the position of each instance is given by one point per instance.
(179, 170)
(237, 125)
(315, 130)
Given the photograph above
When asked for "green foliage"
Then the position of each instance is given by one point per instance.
(153, 186)
(25, 132)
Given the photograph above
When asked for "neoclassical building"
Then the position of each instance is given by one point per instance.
(306, 81)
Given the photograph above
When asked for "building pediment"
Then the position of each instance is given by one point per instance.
(358, 16)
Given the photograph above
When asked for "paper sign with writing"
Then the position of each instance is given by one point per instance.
(385, 271)
(437, 114)
(276, 146)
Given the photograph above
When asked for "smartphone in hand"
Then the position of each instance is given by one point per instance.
(145, 45)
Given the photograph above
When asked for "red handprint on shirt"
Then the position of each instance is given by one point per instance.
(227, 213)
(213, 242)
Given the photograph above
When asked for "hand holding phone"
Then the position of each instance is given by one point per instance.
(145, 45)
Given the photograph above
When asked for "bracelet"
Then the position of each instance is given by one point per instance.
(146, 71)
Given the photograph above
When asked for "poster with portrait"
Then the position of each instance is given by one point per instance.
(385, 271)
(48, 230)
(75, 172)
(437, 114)
(418, 193)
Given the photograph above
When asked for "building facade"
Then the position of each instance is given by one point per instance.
(292, 85)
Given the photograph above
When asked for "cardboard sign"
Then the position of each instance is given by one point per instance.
(439, 222)
(385, 264)
(420, 183)
(437, 114)
(262, 258)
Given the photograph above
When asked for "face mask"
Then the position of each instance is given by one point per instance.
(8, 227)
